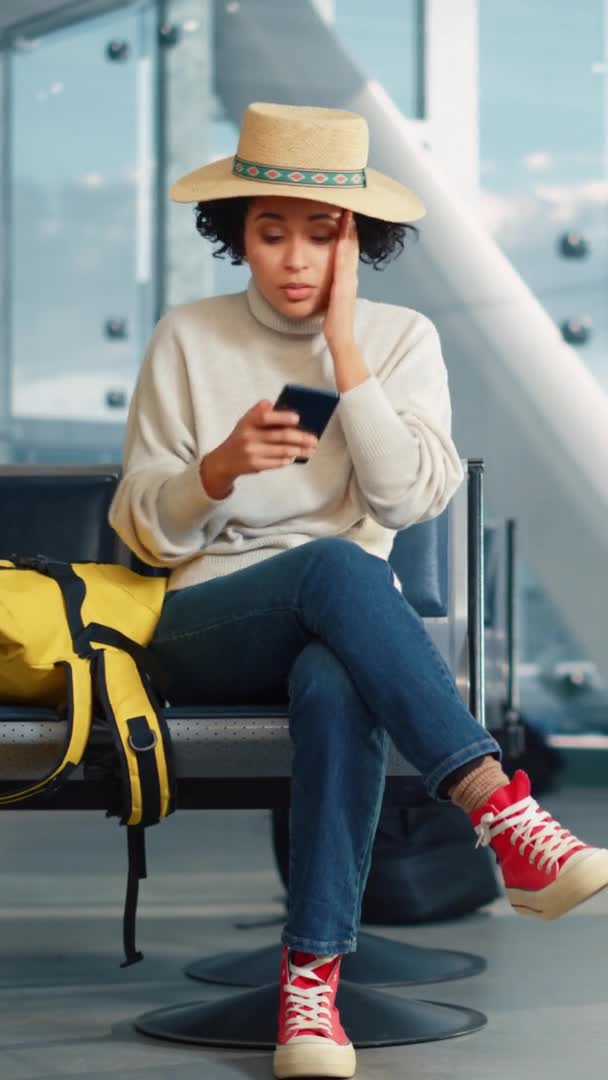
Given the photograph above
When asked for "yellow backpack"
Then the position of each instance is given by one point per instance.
(73, 637)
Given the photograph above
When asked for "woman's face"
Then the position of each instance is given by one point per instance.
(290, 242)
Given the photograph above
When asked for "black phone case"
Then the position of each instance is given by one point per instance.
(313, 406)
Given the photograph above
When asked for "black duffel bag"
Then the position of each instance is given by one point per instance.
(425, 865)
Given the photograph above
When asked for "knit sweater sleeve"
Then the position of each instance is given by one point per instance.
(398, 429)
(160, 509)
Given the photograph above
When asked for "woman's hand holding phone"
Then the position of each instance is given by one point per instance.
(264, 438)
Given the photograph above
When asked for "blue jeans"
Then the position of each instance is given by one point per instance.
(323, 627)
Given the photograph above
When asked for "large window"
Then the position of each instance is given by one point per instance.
(544, 154)
(82, 239)
(544, 181)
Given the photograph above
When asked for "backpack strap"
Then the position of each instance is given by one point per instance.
(136, 851)
(72, 587)
(140, 734)
(79, 712)
(147, 662)
(141, 738)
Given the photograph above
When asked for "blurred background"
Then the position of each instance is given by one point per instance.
(495, 113)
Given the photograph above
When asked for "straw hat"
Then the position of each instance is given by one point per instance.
(302, 152)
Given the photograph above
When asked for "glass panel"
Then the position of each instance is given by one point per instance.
(223, 139)
(544, 153)
(544, 181)
(82, 171)
(385, 39)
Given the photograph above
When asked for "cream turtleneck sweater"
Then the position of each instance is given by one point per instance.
(386, 459)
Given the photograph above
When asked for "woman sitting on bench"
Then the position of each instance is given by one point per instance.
(278, 541)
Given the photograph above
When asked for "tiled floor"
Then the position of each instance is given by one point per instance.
(66, 1007)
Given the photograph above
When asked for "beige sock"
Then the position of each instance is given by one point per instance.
(472, 785)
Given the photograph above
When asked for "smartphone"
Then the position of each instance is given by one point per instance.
(313, 406)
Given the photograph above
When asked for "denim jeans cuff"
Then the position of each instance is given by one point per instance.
(480, 748)
(319, 948)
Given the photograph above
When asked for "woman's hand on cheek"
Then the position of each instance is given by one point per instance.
(338, 325)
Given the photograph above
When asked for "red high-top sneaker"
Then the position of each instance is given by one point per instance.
(311, 1040)
(546, 870)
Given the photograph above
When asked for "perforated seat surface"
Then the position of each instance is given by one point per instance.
(212, 741)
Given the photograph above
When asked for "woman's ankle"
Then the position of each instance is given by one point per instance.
(472, 785)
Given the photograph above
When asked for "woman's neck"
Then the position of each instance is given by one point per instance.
(274, 320)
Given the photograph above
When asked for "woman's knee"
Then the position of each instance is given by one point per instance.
(337, 547)
(338, 557)
(327, 715)
(317, 671)
(323, 698)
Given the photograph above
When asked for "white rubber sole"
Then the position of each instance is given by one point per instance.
(579, 880)
(317, 1059)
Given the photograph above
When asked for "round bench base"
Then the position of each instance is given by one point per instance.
(378, 961)
(249, 1019)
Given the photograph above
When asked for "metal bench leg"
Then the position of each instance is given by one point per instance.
(249, 1019)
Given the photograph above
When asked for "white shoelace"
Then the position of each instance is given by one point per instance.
(307, 1004)
(523, 817)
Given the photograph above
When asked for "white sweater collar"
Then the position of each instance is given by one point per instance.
(270, 317)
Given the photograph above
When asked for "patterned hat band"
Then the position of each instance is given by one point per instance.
(273, 174)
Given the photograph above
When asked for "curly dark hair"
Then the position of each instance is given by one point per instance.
(223, 221)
